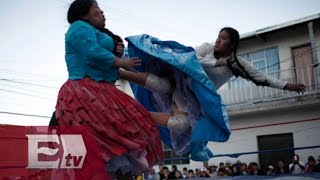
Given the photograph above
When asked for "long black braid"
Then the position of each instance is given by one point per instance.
(233, 61)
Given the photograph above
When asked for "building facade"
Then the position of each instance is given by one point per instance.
(266, 119)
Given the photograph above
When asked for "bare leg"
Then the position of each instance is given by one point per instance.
(176, 111)
(147, 80)
(170, 121)
(161, 118)
(162, 86)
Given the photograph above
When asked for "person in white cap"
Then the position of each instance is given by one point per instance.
(205, 172)
(270, 171)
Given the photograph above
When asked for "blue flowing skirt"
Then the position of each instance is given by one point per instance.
(207, 113)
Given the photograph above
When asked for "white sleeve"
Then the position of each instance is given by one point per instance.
(203, 49)
(260, 76)
(204, 53)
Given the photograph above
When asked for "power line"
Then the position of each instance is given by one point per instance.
(32, 84)
(25, 73)
(22, 114)
(51, 80)
(17, 87)
(298, 55)
(15, 92)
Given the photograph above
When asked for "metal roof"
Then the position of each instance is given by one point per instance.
(279, 26)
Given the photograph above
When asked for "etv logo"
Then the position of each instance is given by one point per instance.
(74, 151)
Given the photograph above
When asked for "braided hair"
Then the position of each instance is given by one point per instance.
(233, 61)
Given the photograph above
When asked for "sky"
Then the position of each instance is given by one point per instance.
(32, 66)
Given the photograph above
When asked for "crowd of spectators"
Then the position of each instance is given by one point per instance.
(295, 167)
(224, 169)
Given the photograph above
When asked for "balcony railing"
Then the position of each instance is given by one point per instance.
(249, 93)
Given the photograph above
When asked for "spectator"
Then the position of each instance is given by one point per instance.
(165, 173)
(184, 172)
(244, 169)
(255, 169)
(228, 168)
(205, 164)
(160, 169)
(270, 171)
(152, 175)
(310, 166)
(214, 172)
(282, 168)
(172, 175)
(198, 172)
(236, 170)
(190, 174)
(296, 167)
(238, 162)
(222, 172)
(178, 175)
(204, 172)
(228, 164)
(221, 165)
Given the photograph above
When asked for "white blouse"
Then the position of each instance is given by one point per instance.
(220, 75)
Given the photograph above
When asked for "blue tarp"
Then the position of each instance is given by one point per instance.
(213, 124)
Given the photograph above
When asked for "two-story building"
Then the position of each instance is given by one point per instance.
(266, 119)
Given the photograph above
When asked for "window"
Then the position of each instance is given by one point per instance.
(171, 158)
(266, 60)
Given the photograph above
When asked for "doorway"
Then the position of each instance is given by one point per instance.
(302, 59)
(271, 142)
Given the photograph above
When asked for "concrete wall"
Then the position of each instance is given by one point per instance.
(305, 133)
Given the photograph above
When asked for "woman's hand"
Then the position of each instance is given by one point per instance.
(298, 87)
(130, 63)
(127, 63)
